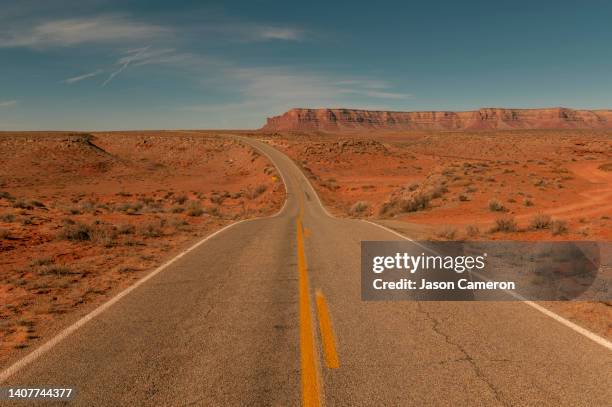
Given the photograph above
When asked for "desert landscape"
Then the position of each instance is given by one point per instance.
(493, 174)
(84, 215)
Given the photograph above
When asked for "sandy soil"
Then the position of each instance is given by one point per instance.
(82, 216)
(487, 185)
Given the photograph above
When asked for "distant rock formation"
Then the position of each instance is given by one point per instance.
(352, 120)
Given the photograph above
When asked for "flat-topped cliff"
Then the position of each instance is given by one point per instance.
(333, 120)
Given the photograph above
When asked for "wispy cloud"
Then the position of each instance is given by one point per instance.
(124, 62)
(79, 78)
(8, 103)
(82, 30)
(266, 91)
(243, 31)
(279, 33)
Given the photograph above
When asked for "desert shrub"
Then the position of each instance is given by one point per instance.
(214, 211)
(540, 221)
(126, 229)
(21, 204)
(606, 167)
(527, 202)
(180, 199)
(88, 206)
(217, 199)
(472, 230)
(6, 195)
(415, 203)
(496, 206)
(179, 224)
(150, 230)
(55, 270)
(177, 209)
(359, 208)
(77, 232)
(558, 227)
(7, 217)
(73, 211)
(195, 209)
(463, 198)
(36, 203)
(413, 186)
(4, 233)
(258, 190)
(448, 233)
(43, 261)
(505, 224)
(437, 191)
(130, 208)
(147, 200)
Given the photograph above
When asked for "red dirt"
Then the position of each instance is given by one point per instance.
(82, 216)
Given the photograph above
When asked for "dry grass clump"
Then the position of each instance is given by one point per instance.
(4, 233)
(496, 206)
(195, 209)
(540, 221)
(558, 227)
(505, 224)
(7, 217)
(472, 230)
(448, 233)
(180, 199)
(151, 229)
(253, 193)
(605, 167)
(359, 208)
(76, 232)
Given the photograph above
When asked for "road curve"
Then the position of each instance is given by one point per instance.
(221, 326)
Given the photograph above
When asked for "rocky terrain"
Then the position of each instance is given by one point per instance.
(84, 215)
(351, 120)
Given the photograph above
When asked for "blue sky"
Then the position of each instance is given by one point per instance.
(202, 64)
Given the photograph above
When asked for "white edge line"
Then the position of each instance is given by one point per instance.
(577, 328)
(47, 346)
(583, 331)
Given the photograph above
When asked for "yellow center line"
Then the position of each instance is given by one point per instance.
(327, 332)
(310, 376)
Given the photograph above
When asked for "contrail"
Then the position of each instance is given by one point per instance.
(127, 62)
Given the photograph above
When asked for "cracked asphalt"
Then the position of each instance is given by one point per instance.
(220, 327)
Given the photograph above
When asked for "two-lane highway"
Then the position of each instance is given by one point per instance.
(226, 324)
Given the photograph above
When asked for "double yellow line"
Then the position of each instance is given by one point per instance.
(311, 379)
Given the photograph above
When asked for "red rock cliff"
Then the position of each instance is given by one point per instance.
(333, 120)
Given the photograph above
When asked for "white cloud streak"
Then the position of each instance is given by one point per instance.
(75, 31)
(124, 62)
(8, 103)
(79, 78)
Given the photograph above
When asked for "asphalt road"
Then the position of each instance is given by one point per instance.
(235, 322)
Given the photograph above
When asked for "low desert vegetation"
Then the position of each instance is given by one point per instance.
(540, 221)
(472, 230)
(496, 206)
(558, 227)
(447, 233)
(359, 208)
(504, 224)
